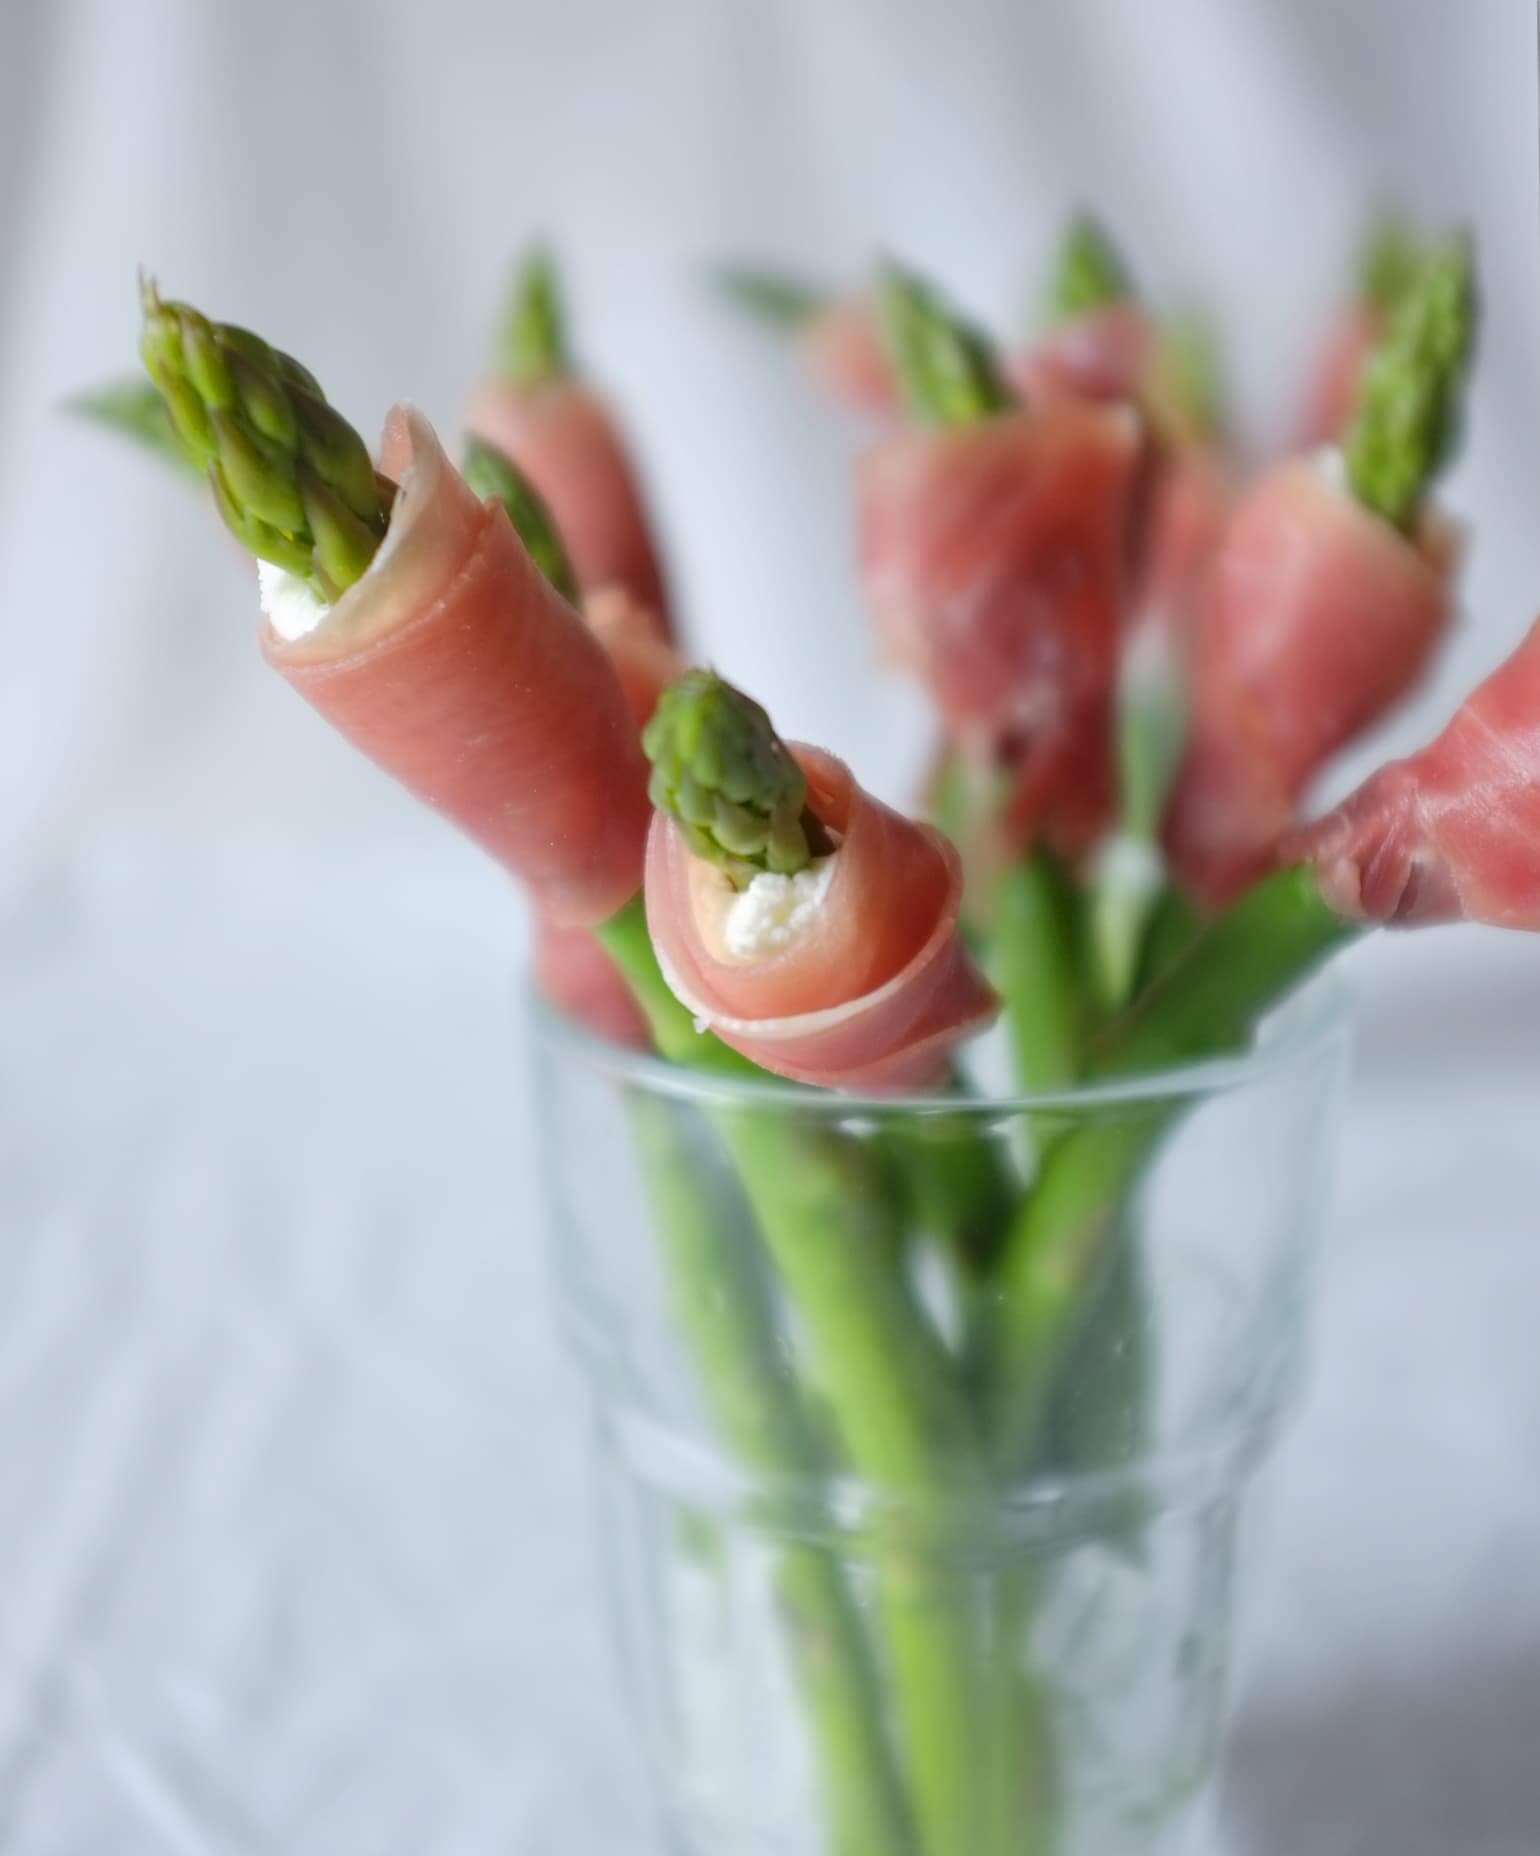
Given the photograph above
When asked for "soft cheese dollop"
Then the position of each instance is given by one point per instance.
(293, 607)
(774, 910)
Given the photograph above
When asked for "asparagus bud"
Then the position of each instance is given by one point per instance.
(491, 472)
(1407, 418)
(136, 411)
(533, 346)
(771, 297)
(1388, 261)
(1089, 272)
(726, 778)
(946, 369)
(290, 476)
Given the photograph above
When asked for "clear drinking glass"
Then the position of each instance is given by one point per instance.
(923, 1428)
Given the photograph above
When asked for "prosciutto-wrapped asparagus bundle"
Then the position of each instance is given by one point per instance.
(413, 619)
(805, 923)
(562, 435)
(994, 547)
(1326, 601)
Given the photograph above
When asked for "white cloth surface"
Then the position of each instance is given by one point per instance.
(292, 1549)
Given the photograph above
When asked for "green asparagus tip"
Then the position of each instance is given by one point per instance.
(135, 410)
(533, 342)
(946, 368)
(292, 479)
(491, 473)
(779, 301)
(1189, 372)
(723, 774)
(1389, 259)
(1407, 419)
(1088, 274)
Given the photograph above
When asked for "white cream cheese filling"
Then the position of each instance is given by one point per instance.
(292, 606)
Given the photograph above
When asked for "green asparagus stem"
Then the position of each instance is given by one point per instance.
(1036, 969)
(135, 410)
(721, 772)
(947, 372)
(1089, 272)
(1241, 964)
(1389, 260)
(725, 1307)
(290, 476)
(1407, 419)
(895, 1403)
(779, 301)
(532, 345)
(491, 473)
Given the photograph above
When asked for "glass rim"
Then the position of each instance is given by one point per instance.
(1315, 1019)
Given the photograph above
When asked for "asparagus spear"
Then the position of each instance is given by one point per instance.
(720, 772)
(725, 1308)
(1088, 274)
(1407, 418)
(135, 410)
(491, 473)
(290, 476)
(532, 345)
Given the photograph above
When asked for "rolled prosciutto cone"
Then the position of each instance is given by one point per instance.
(408, 613)
(814, 930)
(562, 434)
(994, 558)
(1450, 834)
(1318, 617)
(1327, 600)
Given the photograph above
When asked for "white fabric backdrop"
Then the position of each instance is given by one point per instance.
(291, 1505)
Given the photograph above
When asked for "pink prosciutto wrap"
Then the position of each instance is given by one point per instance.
(562, 435)
(455, 667)
(1453, 833)
(571, 968)
(1317, 618)
(995, 563)
(874, 993)
(1188, 503)
(1105, 354)
(841, 348)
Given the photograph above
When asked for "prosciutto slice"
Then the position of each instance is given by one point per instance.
(995, 559)
(1188, 503)
(563, 437)
(1317, 618)
(455, 667)
(874, 992)
(1453, 833)
(1105, 354)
